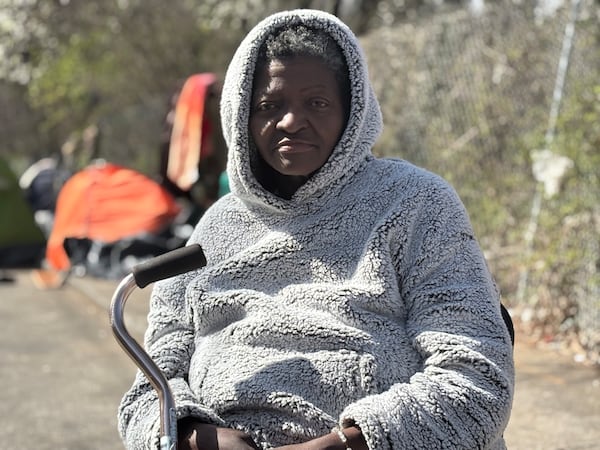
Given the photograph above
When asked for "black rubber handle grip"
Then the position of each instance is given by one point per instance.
(169, 264)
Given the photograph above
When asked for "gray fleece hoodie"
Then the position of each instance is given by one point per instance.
(364, 299)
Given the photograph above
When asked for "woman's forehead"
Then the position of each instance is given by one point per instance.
(299, 70)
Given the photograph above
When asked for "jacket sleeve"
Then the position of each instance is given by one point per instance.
(462, 396)
(169, 340)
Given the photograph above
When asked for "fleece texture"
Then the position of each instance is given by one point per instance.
(364, 299)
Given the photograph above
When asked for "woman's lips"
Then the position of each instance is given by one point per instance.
(295, 147)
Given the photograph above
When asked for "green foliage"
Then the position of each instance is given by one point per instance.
(69, 90)
(567, 246)
(470, 99)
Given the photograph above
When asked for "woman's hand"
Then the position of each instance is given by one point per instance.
(332, 441)
(194, 435)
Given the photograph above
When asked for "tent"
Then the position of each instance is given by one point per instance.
(106, 211)
(193, 153)
(190, 140)
(22, 242)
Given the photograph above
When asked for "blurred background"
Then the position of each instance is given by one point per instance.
(502, 98)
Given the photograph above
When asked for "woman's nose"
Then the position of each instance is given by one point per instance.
(292, 121)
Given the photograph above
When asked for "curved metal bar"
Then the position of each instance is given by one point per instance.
(168, 420)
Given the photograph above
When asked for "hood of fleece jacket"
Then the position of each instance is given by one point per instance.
(354, 147)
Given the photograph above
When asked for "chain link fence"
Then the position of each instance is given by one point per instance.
(472, 97)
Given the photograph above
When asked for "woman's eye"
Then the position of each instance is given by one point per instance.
(319, 103)
(264, 106)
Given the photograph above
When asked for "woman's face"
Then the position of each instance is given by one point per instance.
(297, 114)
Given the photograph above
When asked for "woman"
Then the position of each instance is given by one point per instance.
(346, 303)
